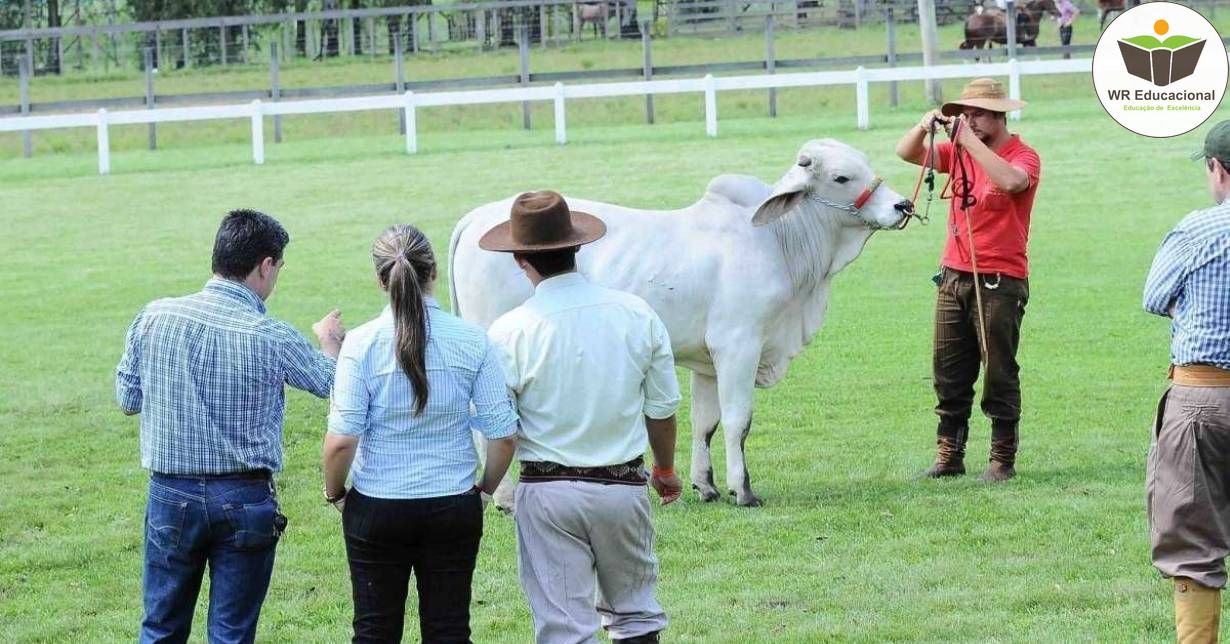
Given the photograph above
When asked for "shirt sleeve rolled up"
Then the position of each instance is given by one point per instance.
(494, 415)
(349, 402)
(1167, 274)
(661, 387)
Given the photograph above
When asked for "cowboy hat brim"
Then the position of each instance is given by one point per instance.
(586, 228)
(953, 108)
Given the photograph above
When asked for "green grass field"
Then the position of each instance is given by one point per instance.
(850, 545)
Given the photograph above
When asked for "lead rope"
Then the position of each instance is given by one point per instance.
(960, 187)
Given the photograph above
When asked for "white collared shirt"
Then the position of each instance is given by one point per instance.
(586, 365)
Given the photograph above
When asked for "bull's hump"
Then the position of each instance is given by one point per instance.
(741, 190)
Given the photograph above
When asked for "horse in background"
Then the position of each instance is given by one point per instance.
(1106, 7)
(984, 27)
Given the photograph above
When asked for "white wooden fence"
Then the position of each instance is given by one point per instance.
(255, 111)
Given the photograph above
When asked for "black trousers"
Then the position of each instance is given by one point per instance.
(956, 359)
(436, 539)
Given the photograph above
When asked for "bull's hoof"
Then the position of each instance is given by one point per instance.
(707, 493)
(748, 500)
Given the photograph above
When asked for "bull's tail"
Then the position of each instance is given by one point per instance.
(452, 256)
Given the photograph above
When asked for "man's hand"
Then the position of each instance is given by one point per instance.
(933, 115)
(965, 136)
(330, 332)
(666, 484)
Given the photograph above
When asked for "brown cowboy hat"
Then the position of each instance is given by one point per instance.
(542, 221)
(985, 93)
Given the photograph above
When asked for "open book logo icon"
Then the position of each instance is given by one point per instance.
(1161, 62)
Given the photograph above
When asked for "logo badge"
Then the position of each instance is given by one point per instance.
(1159, 69)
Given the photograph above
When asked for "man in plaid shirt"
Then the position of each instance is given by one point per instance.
(1188, 480)
(206, 372)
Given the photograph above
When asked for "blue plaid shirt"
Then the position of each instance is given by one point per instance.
(206, 372)
(1190, 283)
(403, 456)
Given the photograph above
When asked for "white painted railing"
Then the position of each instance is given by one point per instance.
(409, 102)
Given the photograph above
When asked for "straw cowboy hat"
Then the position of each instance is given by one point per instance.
(542, 221)
(985, 93)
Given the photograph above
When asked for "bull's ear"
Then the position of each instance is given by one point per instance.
(775, 206)
(787, 192)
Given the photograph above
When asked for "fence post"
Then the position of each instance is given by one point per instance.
(1014, 86)
(149, 96)
(561, 133)
(104, 144)
(289, 36)
(411, 120)
(543, 26)
(400, 71)
(892, 52)
(187, 45)
(647, 46)
(371, 37)
(275, 88)
(246, 43)
(414, 32)
(1011, 14)
(59, 54)
(431, 30)
(222, 43)
(481, 28)
(864, 109)
(524, 46)
(258, 133)
(710, 105)
(770, 62)
(23, 66)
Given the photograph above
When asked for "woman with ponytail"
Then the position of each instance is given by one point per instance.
(400, 426)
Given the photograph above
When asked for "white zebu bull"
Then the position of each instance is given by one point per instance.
(740, 278)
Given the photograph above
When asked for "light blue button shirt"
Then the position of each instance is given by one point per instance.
(403, 456)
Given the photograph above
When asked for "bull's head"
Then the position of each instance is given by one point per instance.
(834, 175)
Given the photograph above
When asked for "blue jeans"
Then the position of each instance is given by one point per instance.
(234, 525)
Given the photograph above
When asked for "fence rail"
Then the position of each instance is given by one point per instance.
(409, 102)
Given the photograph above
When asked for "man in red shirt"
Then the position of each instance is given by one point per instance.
(994, 177)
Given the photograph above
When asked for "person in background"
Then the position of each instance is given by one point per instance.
(400, 426)
(1067, 15)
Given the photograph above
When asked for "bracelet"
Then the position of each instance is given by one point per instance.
(334, 499)
(659, 472)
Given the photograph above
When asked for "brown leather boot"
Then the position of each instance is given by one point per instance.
(1004, 441)
(949, 450)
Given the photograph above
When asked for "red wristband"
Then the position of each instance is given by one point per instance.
(662, 473)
